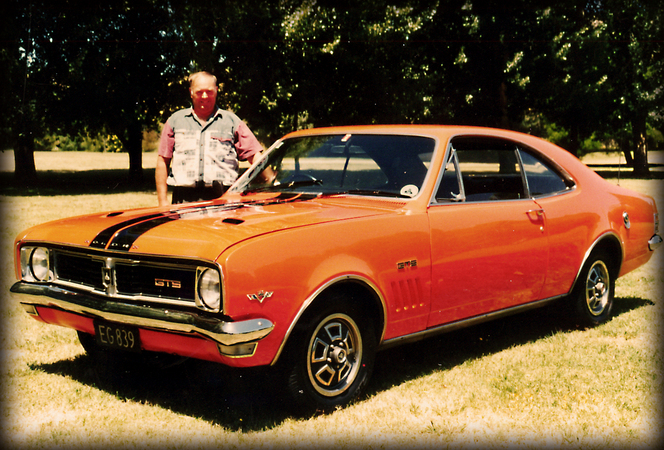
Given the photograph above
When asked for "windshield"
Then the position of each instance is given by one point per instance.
(386, 165)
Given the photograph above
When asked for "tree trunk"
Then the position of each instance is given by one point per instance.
(24, 155)
(134, 147)
(574, 141)
(504, 113)
(626, 148)
(641, 168)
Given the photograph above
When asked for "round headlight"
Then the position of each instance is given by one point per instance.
(39, 264)
(209, 289)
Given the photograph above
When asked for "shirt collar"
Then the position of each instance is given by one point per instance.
(217, 112)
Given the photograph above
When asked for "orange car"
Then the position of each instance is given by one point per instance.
(363, 238)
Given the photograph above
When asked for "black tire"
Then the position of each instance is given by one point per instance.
(593, 294)
(88, 342)
(100, 356)
(331, 358)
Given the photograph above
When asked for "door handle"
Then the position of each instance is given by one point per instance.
(540, 217)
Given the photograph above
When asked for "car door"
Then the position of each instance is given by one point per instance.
(566, 220)
(488, 241)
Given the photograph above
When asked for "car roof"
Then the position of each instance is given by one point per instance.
(433, 130)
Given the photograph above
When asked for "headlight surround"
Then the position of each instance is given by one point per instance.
(208, 289)
(36, 264)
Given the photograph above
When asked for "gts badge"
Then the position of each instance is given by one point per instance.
(160, 282)
(406, 264)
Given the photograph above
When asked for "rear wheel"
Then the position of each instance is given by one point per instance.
(592, 297)
(332, 359)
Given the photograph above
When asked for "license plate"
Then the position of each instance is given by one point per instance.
(121, 337)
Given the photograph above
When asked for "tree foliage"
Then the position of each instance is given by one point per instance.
(584, 69)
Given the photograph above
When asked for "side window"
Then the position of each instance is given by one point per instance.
(542, 179)
(490, 171)
(449, 189)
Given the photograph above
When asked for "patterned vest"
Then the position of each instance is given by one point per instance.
(204, 153)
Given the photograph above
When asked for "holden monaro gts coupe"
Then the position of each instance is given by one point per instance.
(340, 242)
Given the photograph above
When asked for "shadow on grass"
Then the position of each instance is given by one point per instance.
(237, 399)
(52, 182)
(455, 348)
(249, 399)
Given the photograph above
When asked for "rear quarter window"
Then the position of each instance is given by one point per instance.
(542, 179)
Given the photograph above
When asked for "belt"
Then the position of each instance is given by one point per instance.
(200, 184)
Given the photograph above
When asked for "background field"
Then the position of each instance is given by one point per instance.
(527, 381)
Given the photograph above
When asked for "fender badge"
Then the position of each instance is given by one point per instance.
(406, 264)
(260, 296)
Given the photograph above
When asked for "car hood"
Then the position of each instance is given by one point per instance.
(204, 230)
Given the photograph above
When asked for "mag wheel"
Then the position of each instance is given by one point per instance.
(332, 360)
(594, 292)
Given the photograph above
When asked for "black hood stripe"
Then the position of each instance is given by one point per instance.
(126, 238)
(102, 238)
(122, 236)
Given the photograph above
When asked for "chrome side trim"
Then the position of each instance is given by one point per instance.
(221, 332)
(452, 326)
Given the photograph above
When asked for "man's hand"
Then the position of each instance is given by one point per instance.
(160, 177)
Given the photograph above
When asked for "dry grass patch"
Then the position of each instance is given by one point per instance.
(525, 381)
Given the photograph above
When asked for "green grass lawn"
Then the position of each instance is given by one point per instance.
(525, 381)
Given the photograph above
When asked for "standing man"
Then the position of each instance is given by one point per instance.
(202, 146)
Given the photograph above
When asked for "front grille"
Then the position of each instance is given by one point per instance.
(155, 281)
(172, 282)
(79, 269)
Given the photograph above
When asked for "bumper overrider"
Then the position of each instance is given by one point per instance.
(229, 336)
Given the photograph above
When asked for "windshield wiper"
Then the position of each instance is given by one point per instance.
(376, 192)
(289, 185)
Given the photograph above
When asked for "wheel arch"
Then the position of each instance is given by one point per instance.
(609, 242)
(363, 293)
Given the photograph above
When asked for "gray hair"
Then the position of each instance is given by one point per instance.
(194, 76)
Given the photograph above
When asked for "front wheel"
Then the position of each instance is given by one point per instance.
(332, 360)
(592, 297)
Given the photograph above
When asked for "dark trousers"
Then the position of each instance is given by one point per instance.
(199, 192)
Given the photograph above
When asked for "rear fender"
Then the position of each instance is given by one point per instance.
(610, 242)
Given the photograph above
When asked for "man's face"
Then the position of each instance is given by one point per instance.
(203, 95)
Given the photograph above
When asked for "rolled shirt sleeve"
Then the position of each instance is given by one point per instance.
(246, 143)
(166, 141)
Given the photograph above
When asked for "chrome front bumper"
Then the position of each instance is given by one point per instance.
(224, 333)
(654, 242)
